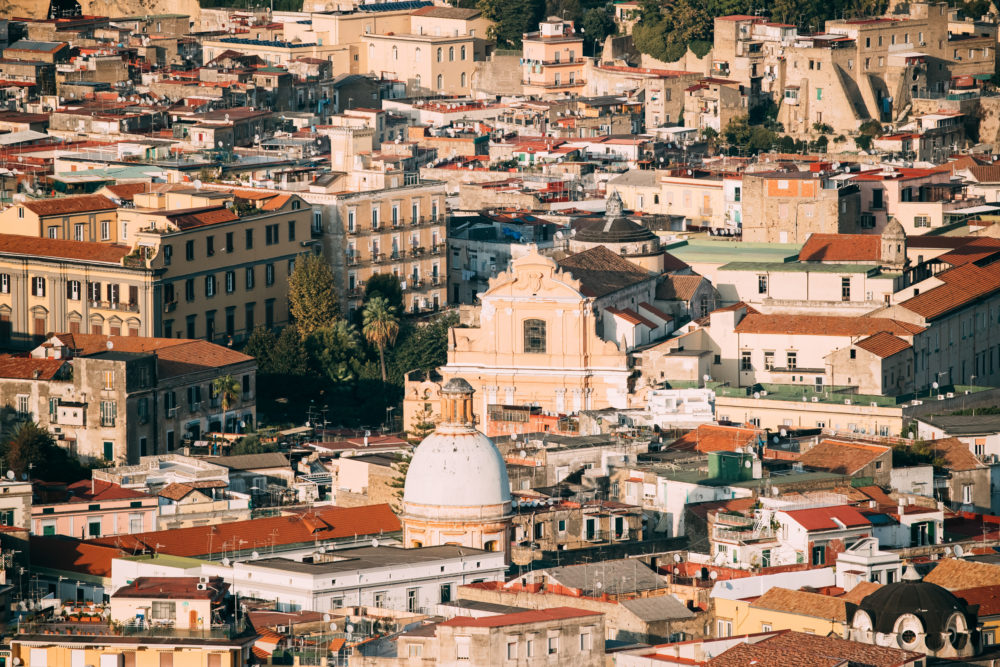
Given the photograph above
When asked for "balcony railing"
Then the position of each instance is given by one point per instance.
(155, 629)
(116, 305)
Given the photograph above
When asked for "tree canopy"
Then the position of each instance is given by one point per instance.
(386, 285)
(312, 296)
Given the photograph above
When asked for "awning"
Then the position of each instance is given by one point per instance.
(982, 77)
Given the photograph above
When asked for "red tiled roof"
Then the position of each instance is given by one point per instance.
(798, 649)
(678, 287)
(175, 491)
(175, 356)
(69, 555)
(87, 251)
(321, 524)
(973, 251)
(97, 490)
(174, 588)
(883, 344)
(631, 317)
(845, 458)
(987, 597)
(69, 205)
(822, 518)
(127, 191)
(25, 368)
(841, 248)
(714, 438)
(520, 617)
(963, 284)
(956, 454)
(824, 325)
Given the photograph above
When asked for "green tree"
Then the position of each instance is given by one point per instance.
(29, 449)
(334, 351)
(251, 444)
(421, 347)
(260, 345)
(746, 139)
(511, 19)
(385, 285)
(398, 482)
(312, 297)
(598, 24)
(381, 326)
(424, 423)
(228, 390)
(289, 356)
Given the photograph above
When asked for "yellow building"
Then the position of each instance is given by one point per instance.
(783, 609)
(552, 61)
(82, 218)
(71, 286)
(427, 63)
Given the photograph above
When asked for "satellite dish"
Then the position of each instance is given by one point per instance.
(713, 575)
(349, 628)
(326, 617)
(677, 570)
(677, 558)
(17, 661)
(775, 439)
(225, 562)
(756, 394)
(11, 475)
(746, 464)
(783, 432)
(947, 551)
(375, 542)
(706, 377)
(197, 184)
(522, 453)
(254, 555)
(959, 551)
(333, 626)
(109, 344)
(934, 385)
(24, 476)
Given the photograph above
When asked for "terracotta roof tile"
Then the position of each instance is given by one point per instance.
(127, 191)
(822, 518)
(883, 344)
(973, 251)
(107, 253)
(520, 617)
(175, 356)
(842, 248)
(803, 603)
(97, 490)
(70, 205)
(320, 524)
(175, 491)
(713, 438)
(956, 454)
(845, 458)
(823, 325)
(862, 590)
(798, 649)
(987, 597)
(678, 288)
(25, 368)
(601, 271)
(985, 173)
(69, 555)
(957, 574)
(171, 588)
(963, 284)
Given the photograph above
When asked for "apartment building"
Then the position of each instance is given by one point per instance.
(712, 103)
(91, 508)
(552, 62)
(920, 199)
(222, 258)
(788, 206)
(56, 285)
(83, 218)
(117, 398)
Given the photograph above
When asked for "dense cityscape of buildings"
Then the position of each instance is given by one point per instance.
(681, 363)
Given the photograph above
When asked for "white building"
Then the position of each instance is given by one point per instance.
(681, 408)
(402, 579)
(864, 561)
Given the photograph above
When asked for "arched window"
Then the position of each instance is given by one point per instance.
(440, 54)
(440, 82)
(416, 55)
(416, 81)
(451, 53)
(463, 52)
(534, 336)
(395, 53)
(463, 79)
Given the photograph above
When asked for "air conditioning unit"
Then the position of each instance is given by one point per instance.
(950, 394)
(202, 587)
(847, 401)
(202, 580)
(763, 392)
(940, 397)
(874, 404)
(282, 629)
(815, 399)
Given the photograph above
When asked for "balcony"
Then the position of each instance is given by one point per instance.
(595, 536)
(102, 628)
(740, 529)
(170, 307)
(116, 305)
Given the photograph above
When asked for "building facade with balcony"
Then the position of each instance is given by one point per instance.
(117, 398)
(401, 231)
(552, 63)
(91, 508)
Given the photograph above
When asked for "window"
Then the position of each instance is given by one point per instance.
(792, 360)
(586, 642)
(762, 284)
(463, 79)
(854, 353)
(463, 52)
(249, 239)
(512, 650)
(105, 230)
(769, 361)
(445, 593)
(416, 55)
(269, 274)
(440, 82)
(921, 221)
(73, 290)
(210, 246)
(553, 645)
(249, 277)
(395, 53)
(271, 234)
(819, 555)
(164, 610)
(845, 289)
(379, 599)
(209, 286)
(38, 286)
(291, 230)
(109, 411)
(291, 266)
(4, 283)
(723, 628)
(765, 627)
(78, 231)
(534, 336)
(746, 361)
(440, 54)
(109, 380)
(230, 282)
(189, 289)
(189, 250)
(819, 94)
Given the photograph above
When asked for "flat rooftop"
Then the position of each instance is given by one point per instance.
(798, 267)
(368, 558)
(704, 251)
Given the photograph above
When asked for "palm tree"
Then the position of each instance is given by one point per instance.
(228, 389)
(380, 327)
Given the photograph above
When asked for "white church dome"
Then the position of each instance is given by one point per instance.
(456, 465)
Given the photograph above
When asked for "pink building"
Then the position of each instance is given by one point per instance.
(91, 508)
(552, 62)
(921, 199)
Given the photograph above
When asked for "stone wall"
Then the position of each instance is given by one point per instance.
(500, 75)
